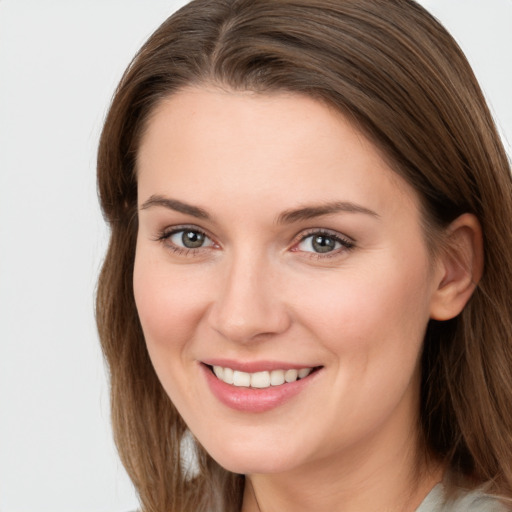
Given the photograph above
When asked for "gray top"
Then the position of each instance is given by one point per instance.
(469, 501)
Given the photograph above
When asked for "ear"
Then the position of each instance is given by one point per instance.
(459, 267)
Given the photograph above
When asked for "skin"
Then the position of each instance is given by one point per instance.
(257, 290)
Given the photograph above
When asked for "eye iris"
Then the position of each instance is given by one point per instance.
(322, 243)
(192, 239)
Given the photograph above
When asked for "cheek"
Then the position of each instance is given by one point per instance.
(169, 303)
(373, 326)
(384, 309)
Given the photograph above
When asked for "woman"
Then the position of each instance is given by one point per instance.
(308, 278)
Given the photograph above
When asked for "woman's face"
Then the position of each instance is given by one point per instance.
(274, 237)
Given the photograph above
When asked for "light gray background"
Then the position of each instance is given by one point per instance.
(59, 63)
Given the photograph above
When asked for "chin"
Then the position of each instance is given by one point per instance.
(247, 460)
(244, 466)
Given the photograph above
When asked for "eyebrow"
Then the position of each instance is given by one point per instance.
(313, 211)
(286, 217)
(174, 204)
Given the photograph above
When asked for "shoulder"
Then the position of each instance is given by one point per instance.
(464, 501)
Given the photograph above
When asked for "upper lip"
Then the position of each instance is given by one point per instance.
(256, 366)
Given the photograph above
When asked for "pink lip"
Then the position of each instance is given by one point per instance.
(251, 399)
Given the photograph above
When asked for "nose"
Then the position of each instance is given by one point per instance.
(248, 305)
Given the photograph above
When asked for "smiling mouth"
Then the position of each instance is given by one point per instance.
(260, 380)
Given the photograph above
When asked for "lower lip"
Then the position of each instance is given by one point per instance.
(254, 399)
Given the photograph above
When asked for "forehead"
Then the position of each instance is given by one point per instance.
(280, 146)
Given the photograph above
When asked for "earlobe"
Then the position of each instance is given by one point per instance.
(460, 267)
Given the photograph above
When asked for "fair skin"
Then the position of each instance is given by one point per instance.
(240, 264)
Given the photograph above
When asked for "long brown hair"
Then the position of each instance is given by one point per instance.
(394, 71)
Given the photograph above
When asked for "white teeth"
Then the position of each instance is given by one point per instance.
(277, 377)
(241, 379)
(291, 375)
(304, 372)
(228, 376)
(259, 380)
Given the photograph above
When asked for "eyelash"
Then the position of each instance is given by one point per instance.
(346, 243)
(165, 235)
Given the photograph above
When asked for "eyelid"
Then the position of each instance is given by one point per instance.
(164, 235)
(347, 243)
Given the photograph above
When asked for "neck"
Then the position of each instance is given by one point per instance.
(352, 482)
